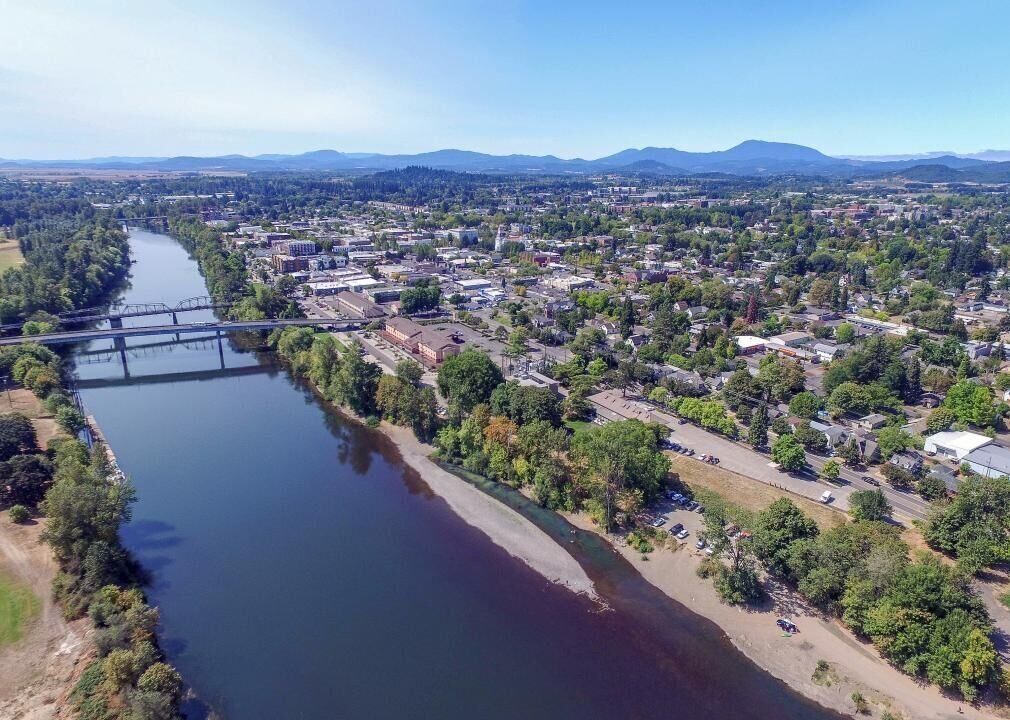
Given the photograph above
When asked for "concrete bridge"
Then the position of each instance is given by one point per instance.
(121, 333)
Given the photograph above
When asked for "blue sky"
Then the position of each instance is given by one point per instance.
(573, 79)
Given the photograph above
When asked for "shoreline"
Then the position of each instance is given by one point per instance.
(505, 527)
(855, 666)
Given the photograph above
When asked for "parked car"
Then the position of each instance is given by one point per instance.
(682, 534)
(699, 508)
(700, 544)
(682, 421)
(826, 497)
(691, 506)
(658, 522)
(676, 528)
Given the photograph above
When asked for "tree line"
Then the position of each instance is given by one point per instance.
(85, 504)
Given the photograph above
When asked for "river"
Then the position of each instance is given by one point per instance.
(303, 571)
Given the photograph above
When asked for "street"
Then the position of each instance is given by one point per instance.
(745, 461)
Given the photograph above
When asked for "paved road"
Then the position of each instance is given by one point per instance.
(745, 461)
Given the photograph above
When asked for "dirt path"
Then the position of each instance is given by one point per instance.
(38, 670)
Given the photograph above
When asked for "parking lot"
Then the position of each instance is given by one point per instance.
(672, 514)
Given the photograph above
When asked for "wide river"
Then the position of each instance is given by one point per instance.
(303, 571)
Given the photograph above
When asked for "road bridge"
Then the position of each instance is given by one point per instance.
(220, 326)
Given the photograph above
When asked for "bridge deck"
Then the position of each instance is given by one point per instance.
(237, 326)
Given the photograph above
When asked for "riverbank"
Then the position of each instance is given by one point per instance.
(853, 666)
(504, 526)
(39, 670)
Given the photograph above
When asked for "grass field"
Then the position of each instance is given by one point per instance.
(577, 425)
(743, 496)
(10, 254)
(17, 606)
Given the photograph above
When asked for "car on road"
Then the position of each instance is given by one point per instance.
(682, 534)
(658, 522)
(826, 497)
(870, 480)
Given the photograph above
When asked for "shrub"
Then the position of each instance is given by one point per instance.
(862, 707)
(162, 678)
(640, 544)
(18, 513)
(70, 419)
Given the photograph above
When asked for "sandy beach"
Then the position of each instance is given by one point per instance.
(504, 526)
(855, 666)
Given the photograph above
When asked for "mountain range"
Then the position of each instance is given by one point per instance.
(749, 158)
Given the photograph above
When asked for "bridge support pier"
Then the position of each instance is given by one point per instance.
(175, 318)
(220, 349)
(120, 345)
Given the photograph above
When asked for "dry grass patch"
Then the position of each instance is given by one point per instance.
(751, 495)
(24, 402)
(10, 254)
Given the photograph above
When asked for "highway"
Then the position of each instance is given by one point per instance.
(78, 336)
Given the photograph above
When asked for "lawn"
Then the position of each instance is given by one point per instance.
(17, 606)
(578, 425)
(743, 496)
(10, 254)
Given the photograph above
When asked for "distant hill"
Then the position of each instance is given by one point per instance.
(749, 158)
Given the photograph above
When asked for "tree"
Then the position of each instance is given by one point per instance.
(869, 505)
(161, 677)
(892, 439)
(757, 434)
(70, 419)
(804, 404)
(845, 333)
(24, 479)
(628, 318)
(18, 513)
(788, 453)
(830, 470)
(17, 435)
(850, 452)
(356, 381)
(751, 316)
(777, 527)
(913, 381)
(812, 440)
(468, 379)
(410, 372)
(939, 420)
(618, 457)
(971, 403)
(975, 525)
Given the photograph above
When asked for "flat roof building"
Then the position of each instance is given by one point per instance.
(990, 461)
(955, 445)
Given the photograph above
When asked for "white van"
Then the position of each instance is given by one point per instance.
(826, 497)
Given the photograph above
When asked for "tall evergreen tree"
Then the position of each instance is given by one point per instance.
(757, 435)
